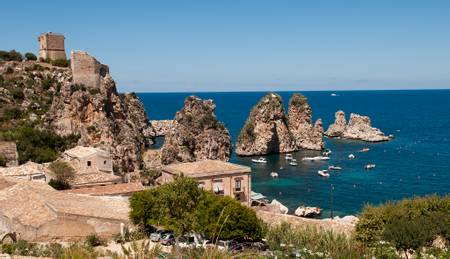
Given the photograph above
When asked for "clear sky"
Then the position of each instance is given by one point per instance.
(247, 45)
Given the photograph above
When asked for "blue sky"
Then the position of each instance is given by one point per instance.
(247, 45)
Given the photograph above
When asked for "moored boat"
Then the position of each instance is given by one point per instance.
(288, 157)
(369, 166)
(323, 173)
(316, 158)
(260, 160)
(333, 167)
(351, 156)
(293, 163)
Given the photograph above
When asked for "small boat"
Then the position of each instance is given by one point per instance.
(326, 152)
(281, 168)
(288, 156)
(323, 173)
(293, 163)
(369, 166)
(366, 149)
(333, 167)
(315, 158)
(293, 160)
(333, 94)
(274, 174)
(391, 136)
(351, 156)
(260, 160)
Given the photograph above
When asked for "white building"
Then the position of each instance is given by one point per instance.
(28, 171)
(89, 159)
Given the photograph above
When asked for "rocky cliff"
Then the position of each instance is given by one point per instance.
(305, 135)
(266, 129)
(47, 96)
(196, 135)
(359, 127)
(162, 127)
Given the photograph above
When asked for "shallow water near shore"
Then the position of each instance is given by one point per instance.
(416, 162)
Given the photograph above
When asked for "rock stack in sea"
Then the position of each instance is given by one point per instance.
(196, 134)
(359, 127)
(266, 129)
(305, 135)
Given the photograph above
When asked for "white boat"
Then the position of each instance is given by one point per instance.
(369, 166)
(274, 175)
(323, 173)
(293, 160)
(333, 94)
(288, 156)
(315, 158)
(351, 156)
(366, 149)
(293, 163)
(260, 160)
(326, 152)
(333, 167)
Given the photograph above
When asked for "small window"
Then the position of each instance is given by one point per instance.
(237, 184)
(89, 163)
(104, 162)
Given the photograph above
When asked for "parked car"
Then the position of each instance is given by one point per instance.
(186, 242)
(167, 239)
(156, 236)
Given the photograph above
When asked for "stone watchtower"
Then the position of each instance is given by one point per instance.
(87, 70)
(51, 46)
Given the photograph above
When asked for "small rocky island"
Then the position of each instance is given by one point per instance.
(196, 134)
(268, 129)
(359, 128)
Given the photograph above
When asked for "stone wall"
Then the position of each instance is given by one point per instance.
(87, 70)
(8, 150)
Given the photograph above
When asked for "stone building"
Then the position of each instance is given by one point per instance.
(8, 152)
(51, 46)
(36, 212)
(222, 178)
(86, 69)
(93, 167)
(29, 171)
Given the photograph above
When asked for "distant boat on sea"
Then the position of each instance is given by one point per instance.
(333, 94)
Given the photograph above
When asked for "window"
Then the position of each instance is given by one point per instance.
(89, 163)
(104, 162)
(201, 185)
(237, 185)
(218, 187)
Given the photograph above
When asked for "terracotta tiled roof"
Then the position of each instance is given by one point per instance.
(94, 178)
(29, 168)
(206, 167)
(80, 151)
(112, 189)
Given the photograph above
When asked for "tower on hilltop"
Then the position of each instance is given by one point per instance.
(51, 46)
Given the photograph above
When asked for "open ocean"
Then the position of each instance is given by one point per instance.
(416, 162)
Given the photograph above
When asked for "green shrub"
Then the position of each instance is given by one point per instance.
(48, 82)
(59, 62)
(93, 240)
(62, 171)
(77, 87)
(17, 93)
(2, 161)
(12, 113)
(94, 91)
(9, 70)
(59, 185)
(30, 56)
(10, 55)
(393, 221)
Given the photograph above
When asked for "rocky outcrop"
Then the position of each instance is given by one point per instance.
(266, 129)
(196, 135)
(8, 153)
(300, 124)
(162, 127)
(103, 118)
(359, 127)
(338, 127)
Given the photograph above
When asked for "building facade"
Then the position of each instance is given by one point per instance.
(51, 46)
(221, 178)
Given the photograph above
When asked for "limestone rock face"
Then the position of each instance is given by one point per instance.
(103, 118)
(196, 135)
(338, 127)
(266, 130)
(360, 127)
(8, 152)
(300, 124)
(162, 127)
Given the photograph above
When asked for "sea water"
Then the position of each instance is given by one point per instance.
(415, 162)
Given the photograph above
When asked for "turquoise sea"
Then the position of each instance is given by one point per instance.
(416, 162)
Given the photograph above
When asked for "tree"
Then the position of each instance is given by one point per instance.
(10, 56)
(171, 205)
(2, 161)
(30, 56)
(63, 172)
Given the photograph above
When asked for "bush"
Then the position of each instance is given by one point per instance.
(410, 223)
(183, 207)
(10, 55)
(59, 62)
(2, 161)
(48, 82)
(93, 240)
(9, 70)
(77, 87)
(30, 56)
(13, 113)
(62, 171)
(59, 185)
(17, 93)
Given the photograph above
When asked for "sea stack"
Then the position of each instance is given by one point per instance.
(305, 135)
(338, 127)
(359, 127)
(266, 129)
(196, 134)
